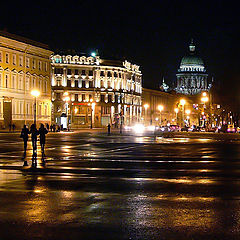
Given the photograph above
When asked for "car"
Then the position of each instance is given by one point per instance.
(222, 129)
(184, 129)
(231, 128)
(174, 128)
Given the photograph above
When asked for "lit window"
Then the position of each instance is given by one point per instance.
(7, 58)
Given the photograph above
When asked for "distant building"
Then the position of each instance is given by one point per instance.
(24, 66)
(93, 92)
(191, 76)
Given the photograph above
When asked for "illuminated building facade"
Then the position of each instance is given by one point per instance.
(191, 76)
(93, 92)
(24, 66)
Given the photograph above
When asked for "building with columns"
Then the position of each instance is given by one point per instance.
(93, 92)
(191, 76)
(24, 66)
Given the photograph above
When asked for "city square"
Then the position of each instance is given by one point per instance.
(119, 120)
(99, 186)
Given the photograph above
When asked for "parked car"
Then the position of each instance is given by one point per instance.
(174, 128)
(222, 129)
(184, 129)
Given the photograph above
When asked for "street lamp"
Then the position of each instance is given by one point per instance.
(160, 108)
(146, 106)
(176, 110)
(204, 99)
(182, 102)
(92, 104)
(66, 99)
(35, 93)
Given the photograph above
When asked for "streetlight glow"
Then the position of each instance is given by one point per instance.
(182, 102)
(35, 93)
(160, 108)
(146, 106)
(176, 110)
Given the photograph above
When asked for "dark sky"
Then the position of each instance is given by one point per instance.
(153, 34)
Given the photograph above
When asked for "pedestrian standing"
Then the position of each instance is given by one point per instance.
(34, 132)
(10, 127)
(13, 127)
(42, 132)
(109, 129)
(24, 136)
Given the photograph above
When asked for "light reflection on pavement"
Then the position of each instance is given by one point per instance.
(95, 186)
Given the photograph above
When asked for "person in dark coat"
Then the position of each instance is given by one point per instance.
(24, 136)
(109, 129)
(42, 132)
(34, 132)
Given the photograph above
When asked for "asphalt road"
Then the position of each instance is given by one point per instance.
(95, 186)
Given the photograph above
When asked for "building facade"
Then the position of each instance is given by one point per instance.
(158, 107)
(191, 76)
(93, 92)
(24, 66)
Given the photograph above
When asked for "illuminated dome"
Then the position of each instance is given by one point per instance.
(191, 76)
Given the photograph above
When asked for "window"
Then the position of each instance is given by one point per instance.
(58, 95)
(83, 72)
(14, 59)
(109, 98)
(27, 108)
(0, 56)
(76, 83)
(90, 97)
(58, 71)
(102, 74)
(13, 81)
(40, 65)
(6, 81)
(116, 98)
(90, 73)
(102, 84)
(76, 71)
(109, 84)
(102, 98)
(115, 74)
(109, 74)
(83, 84)
(20, 82)
(34, 82)
(91, 84)
(20, 61)
(7, 58)
(27, 62)
(33, 63)
(45, 87)
(83, 97)
(68, 83)
(69, 72)
(76, 97)
(27, 83)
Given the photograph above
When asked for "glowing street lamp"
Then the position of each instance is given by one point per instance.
(182, 102)
(35, 93)
(66, 99)
(146, 106)
(176, 110)
(160, 108)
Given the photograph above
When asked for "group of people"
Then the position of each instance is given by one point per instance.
(34, 132)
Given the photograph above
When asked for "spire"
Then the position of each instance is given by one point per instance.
(192, 46)
(164, 87)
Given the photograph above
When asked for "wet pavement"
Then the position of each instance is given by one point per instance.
(94, 186)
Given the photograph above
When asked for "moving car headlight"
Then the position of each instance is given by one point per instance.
(138, 128)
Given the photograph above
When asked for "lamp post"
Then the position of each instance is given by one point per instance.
(182, 102)
(92, 104)
(35, 93)
(188, 117)
(146, 106)
(176, 110)
(204, 99)
(160, 108)
(66, 99)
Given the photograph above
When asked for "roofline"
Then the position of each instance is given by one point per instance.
(23, 39)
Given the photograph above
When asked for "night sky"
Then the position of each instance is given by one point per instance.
(153, 34)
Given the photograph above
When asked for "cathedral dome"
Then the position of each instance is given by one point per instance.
(191, 62)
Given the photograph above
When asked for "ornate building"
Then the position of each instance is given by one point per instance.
(24, 66)
(191, 76)
(92, 92)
